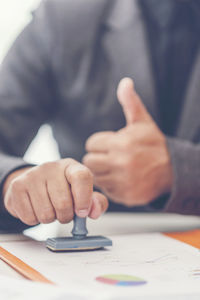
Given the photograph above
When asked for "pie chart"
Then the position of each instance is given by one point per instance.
(121, 280)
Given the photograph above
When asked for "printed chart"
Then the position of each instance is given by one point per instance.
(121, 280)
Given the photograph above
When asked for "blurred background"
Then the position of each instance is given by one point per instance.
(14, 15)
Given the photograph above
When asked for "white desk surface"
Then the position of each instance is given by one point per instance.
(109, 224)
(112, 225)
(122, 223)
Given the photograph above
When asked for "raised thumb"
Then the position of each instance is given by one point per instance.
(134, 109)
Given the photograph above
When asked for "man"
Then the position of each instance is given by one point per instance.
(64, 69)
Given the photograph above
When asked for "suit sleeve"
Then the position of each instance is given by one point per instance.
(26, 96)
(185, 195)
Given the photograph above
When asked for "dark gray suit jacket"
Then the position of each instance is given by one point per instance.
(64, 69)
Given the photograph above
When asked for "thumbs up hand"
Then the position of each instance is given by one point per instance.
(131, 166)
(134, 109)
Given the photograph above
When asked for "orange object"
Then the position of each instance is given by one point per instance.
(191, 237)
(21, 267)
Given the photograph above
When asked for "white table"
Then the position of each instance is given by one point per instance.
(110, 224)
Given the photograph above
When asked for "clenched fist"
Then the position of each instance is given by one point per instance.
(54, 190)
(131, 166)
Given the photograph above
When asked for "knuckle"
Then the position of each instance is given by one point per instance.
(83, 175)
(29, 177)
(124, 162)
(62, 205)
(63, 219)
(46, 218)
(47, 166)
(86, 159)
(17, 186)
(29, 220)
(70, 160)
(91, 139)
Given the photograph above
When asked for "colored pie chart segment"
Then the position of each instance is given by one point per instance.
(121, 280)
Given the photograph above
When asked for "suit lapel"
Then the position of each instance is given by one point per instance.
(126, 46)
(189, 122)
(128, 54)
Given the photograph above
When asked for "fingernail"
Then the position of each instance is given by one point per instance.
(83, 213)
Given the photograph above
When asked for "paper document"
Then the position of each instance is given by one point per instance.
(160, 265)
(13, 289)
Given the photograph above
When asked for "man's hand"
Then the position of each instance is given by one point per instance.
(53, 191)
(132, 166)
